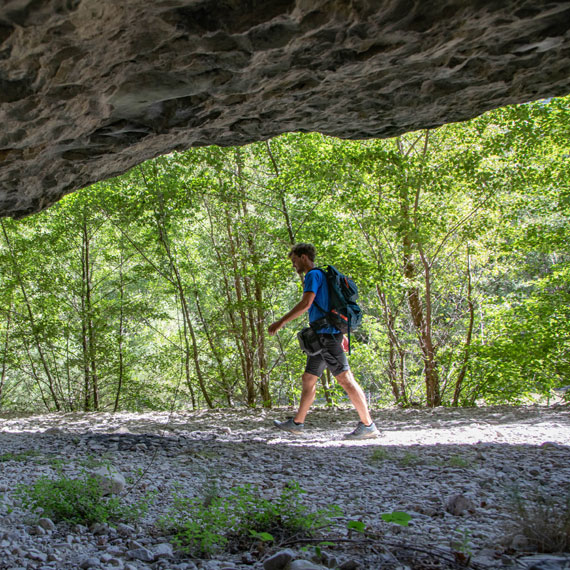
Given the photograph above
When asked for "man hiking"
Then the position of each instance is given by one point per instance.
(332, 356)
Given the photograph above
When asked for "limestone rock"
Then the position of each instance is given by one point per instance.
(280, 560)
(90, 88)
(304, 565)
(163, 550)
(459, 504)
(546, 562)
(111, 480)
(46, 524)
(90, 562)
(142, 554)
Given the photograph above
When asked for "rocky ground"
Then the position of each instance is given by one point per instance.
(454, 471)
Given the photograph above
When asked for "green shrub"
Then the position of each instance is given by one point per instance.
(77, 501)
(203, 526)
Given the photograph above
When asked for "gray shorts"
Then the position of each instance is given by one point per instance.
(332, 357)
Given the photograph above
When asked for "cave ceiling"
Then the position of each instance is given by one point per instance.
(90, 88)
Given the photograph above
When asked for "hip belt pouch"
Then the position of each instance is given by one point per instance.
(309, 341)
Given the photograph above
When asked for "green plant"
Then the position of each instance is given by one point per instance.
(544, 520)
(22, 456)
(380, 454)
(262, 536)
(56, 462)
(203, 526)
(410, 459)
(78, 501)
(397, 517)
(91, 462)
(461, 546)
(357, 526)
(459, 462)
(316, 550)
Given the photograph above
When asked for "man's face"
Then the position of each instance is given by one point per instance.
(299, 263)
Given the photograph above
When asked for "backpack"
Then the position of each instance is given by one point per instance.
(343, 312)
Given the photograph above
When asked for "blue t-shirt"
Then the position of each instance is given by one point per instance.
(316, 282)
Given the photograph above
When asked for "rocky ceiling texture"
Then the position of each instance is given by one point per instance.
(90, 88)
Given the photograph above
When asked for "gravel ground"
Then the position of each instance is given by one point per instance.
(453, 471)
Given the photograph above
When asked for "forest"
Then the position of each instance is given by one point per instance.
(154, 289)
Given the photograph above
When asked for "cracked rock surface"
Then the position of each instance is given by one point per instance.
(452, 470)
(90, 88)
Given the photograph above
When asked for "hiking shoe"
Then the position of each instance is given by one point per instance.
(363, 431)
(290, 426)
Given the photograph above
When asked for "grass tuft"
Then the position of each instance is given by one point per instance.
(544, 521)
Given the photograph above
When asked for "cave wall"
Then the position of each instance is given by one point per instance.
(90, 88)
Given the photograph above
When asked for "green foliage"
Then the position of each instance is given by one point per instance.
(76, 500)
(262, 536)
(410, 459)
(380, 454)
(527, 349)
(459, 462)
(22, 456)
(397, 517)
(357, 526)
(205, 525)
(461, 546)
(155, 289)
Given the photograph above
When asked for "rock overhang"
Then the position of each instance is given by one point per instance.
(90, 88)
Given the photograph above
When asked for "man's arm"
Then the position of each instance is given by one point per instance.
(301, 307)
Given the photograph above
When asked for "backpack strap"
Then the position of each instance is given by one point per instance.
(321, 321)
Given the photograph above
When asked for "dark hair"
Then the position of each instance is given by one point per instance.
(307, 249)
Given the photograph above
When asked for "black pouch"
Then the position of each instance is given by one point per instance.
(309, 341)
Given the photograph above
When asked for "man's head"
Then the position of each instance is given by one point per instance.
(307, 249)
(302, 257)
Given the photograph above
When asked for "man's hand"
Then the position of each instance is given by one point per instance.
(301, 307)
(274, 327)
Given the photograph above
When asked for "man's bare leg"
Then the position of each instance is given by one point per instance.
(308, 392)
(356, 395)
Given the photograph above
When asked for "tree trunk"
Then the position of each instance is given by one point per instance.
(326, 380)
(433, 392)
(195, 355)
(88, 329)
(33, 326)
(228, 290)
(421, 320)
(186, 364)
(264, 391)
(284, 208)
(214, 349)
(469, 335)
(177, 282)
(187, 320)
(120, 336)
(247, 364)
(5, 351)
(396, 354)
